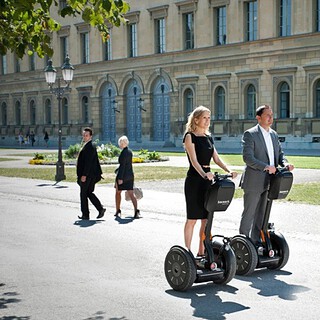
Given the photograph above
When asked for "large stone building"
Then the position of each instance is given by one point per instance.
(229, 55)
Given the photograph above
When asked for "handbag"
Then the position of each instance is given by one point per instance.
(138, 193)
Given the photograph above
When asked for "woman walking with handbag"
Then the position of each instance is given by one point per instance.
(125, 177)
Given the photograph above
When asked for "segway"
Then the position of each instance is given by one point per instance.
(274, 250)
(182, 268)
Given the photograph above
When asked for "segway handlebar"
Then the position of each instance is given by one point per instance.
(282, 169)
(219, 176)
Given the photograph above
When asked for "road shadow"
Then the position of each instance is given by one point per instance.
(100, 315)
(51, 185)
(7, 298)
(275, 287)
(206, 301)
(87, 223)
(125, 220)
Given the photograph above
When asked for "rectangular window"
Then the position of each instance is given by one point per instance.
(318, 16)
(64, 48)
(221, 25)
(285, 18)
(84, 47)
(188, 31)
(108, 48)
(32, 62)
(160, 35)
(4, 65)
(133, 49)
(252, 20)
(62, 4)
(46, 60)
(17, 64)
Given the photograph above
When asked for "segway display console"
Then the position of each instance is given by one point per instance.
(273, 253)
(182, 268)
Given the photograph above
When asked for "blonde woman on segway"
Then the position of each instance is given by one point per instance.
(199, 146)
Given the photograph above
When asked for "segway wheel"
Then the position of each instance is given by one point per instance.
(180, 269)
(281, 248)
(246, 255)
(226, 261)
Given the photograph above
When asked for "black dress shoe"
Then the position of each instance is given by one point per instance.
(101, 213)
(83, 218)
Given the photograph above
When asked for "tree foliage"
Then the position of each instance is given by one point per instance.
(26, 25)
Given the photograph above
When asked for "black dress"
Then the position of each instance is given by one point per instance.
(125, 170)
(195, 185)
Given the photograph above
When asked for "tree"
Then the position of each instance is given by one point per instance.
(26, 25)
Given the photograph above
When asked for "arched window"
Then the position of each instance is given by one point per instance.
(188, 102)
(47, 111)
(251, 101)
(4, 114)
(18, 113)
(284, 100)
(317, 100)
(64, 111)
(32, 109)
(85, 109)
(220, 97)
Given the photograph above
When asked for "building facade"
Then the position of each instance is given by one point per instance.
(228, 55)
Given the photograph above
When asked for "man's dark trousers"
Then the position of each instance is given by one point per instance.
(86, 191)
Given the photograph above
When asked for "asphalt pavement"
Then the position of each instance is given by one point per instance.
(55, 266)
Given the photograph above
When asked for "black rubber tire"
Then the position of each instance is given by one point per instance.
(246, 255)
(180, 269)
(227, 262)
(281, 248)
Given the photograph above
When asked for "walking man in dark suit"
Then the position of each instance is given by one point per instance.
(262, 154)
(88, 173)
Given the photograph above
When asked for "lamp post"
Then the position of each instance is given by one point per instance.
(115, 106)
(67, 74)
(141, 105)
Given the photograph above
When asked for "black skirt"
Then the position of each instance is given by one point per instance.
(195, 188)
(126, 185)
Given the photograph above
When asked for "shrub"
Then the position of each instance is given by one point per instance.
(153, 156)
(36, 161)
(137, 160)
(108, 151)
(143, 152)
(38, 156)
(73, 151)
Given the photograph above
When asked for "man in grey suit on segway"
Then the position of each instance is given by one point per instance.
(262, 154)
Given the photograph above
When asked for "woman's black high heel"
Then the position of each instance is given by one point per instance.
(118, 213)
(137, 214)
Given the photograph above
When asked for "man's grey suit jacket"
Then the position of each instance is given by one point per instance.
(255, 156)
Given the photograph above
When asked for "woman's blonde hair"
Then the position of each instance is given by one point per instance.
(191, 125)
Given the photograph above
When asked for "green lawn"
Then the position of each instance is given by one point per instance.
(302, 162)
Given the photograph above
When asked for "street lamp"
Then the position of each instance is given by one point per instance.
(141, 104)
(115, 106)
(67, 73)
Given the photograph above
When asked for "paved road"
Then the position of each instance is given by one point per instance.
(54, 266)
